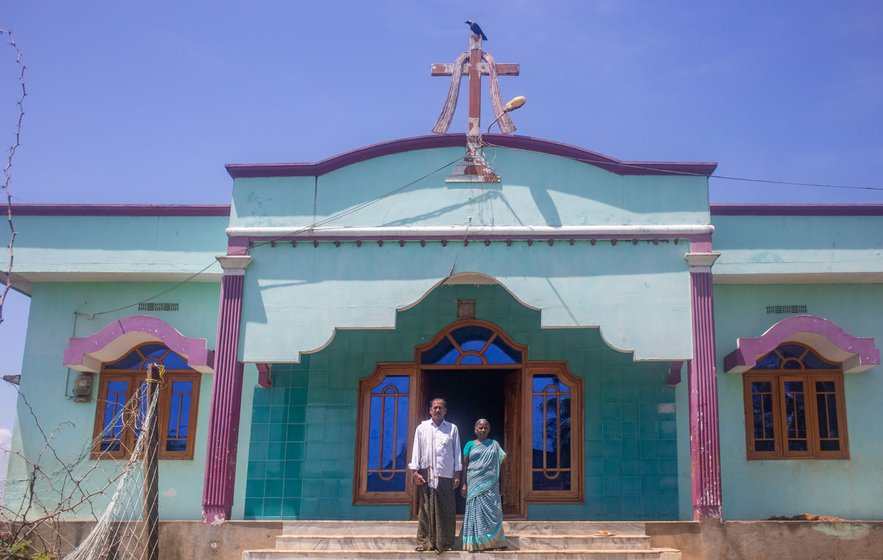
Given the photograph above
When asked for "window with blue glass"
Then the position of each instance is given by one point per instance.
(383, 435)
(795, 406)
(122, 401)
(472, 344)
(388, 435)
(556, 440)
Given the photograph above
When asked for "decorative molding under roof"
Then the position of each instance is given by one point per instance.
(664, 231)
(89, 353)
(855, 354)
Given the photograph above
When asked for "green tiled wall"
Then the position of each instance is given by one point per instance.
(303, 428)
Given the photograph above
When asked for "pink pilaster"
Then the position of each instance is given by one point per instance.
(223, 431)
(705, 470)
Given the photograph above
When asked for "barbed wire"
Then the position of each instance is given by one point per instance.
(7, 169)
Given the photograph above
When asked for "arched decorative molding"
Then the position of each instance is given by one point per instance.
(822, 335)
(88, 353)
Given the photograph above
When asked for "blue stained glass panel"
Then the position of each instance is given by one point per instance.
(443, 353)
(542, 482)
(791, 351)
(130, 361)
(545, 383)
(795, 416)
(471, 360)
(813, 361)
(377, 484)
(388, 433)
(473, 345)
(374, 428)
(174, 408)
(174, 361)
(400, 383)
(761, 387)
(564, 428)
(156, 351)
(770, 361)
(501, 353)
(472, 337)
(184, 424)
(388, 450)
(402, 434)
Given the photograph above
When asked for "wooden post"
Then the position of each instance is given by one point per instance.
(151, 466)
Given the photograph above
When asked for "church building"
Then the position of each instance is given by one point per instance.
(640, 353)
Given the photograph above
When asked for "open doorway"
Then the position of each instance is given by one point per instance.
(482, 393)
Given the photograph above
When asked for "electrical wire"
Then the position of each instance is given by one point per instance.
(695, 174)
(291, 233)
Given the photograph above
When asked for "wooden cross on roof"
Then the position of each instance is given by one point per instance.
(476, 63)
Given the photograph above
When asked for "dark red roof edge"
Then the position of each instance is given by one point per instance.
(118, 209)
(242, 170)
(796, 209)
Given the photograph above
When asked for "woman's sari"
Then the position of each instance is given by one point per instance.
(483, 522)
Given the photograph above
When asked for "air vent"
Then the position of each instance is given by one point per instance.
(153, 306)
(783, 309)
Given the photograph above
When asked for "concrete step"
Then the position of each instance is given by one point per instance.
(516, 542)
(576, 554)
(409, 528)
(527, 540)
(579, 528)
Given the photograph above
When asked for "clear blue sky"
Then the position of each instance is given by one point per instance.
(145, 102)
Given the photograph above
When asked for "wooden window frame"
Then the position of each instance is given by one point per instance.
(777, 380)
(134, 378)
(576, 494)
(361, 495)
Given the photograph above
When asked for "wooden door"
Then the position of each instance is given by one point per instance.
(513, 502)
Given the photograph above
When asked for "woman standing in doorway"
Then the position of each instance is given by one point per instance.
(482, 462)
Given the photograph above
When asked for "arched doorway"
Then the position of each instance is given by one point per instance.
(535, 410)
(477, 369)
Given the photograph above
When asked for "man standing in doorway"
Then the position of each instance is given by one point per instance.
(436, 465)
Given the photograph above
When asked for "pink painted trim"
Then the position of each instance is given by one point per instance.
(118, 210)
(264, 379)
(796, 209)
(700, 244)
(242, 170)
(477, 236)
(705, 467)
(237, 245)
(857, 354)
(223, 430)
(84, 354)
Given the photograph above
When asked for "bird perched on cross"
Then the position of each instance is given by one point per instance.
(476, 29)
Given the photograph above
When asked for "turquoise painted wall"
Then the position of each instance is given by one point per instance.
(537, 189)
(300, 461)
(641, 285)
(841, 247)
(107, 247)
(45, 381)
(625, 289)
(851, 488)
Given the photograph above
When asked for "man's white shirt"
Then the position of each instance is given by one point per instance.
(436, 448)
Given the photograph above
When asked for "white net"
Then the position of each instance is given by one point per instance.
(104, 484)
